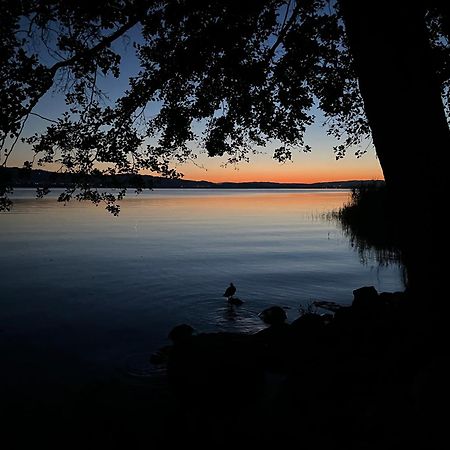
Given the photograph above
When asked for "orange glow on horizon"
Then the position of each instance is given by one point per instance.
(280, 175)
(306, 178)
(316, 167)
(319, 166)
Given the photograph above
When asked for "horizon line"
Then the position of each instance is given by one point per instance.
(181, 179)
(280, 182)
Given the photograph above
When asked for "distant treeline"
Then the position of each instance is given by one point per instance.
(33, 178)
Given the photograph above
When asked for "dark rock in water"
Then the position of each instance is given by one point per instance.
(235, 301)
(367, 303)
(364, 297)
(273, 316)
(181, 333)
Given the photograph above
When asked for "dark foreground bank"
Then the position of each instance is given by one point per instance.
(367, 376)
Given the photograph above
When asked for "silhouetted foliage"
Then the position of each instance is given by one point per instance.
(228, 76)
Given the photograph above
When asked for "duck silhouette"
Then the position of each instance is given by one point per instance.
(229, 293)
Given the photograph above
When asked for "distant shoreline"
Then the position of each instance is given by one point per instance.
(23, 178)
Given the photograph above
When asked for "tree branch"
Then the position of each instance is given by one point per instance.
(42, 117)
(51, 72)
(91, 51)
(8, 154)
(285, 28)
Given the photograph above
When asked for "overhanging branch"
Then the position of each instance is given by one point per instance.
(108, 40)
(284, 30)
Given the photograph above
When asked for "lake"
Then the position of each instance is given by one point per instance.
(86, 294)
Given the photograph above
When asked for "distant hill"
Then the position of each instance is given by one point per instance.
(18, 177)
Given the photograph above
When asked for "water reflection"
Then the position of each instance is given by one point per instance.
(230, 314)
(73, 275)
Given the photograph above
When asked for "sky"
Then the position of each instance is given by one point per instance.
(318, 165)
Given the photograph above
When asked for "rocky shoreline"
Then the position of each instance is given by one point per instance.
(365, 376)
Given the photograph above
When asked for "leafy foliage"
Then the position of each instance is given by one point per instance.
(224, 76)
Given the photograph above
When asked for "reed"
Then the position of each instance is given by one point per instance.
(368, 220)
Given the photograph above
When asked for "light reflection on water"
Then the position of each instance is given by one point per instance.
(95, 288)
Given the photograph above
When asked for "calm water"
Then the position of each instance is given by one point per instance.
(83, 292)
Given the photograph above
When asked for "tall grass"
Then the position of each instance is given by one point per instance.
(368, 220)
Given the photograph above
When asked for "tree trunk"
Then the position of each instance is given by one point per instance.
(390, 46)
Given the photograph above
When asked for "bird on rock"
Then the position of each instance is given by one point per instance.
(229, 293)
(231, 290)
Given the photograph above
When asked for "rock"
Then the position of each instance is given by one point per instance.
(274, 315)
(367, 303)
(235, 301)
(364, 297)
(181, 333)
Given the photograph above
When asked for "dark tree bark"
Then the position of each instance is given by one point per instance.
(392, 54)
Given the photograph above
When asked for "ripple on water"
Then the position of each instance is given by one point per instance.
(138, 365)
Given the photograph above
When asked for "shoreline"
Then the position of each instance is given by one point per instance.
(356, 379)
(33, 178)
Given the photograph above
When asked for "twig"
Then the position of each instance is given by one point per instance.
(15, 141)
(283, 32)
(42, 117)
